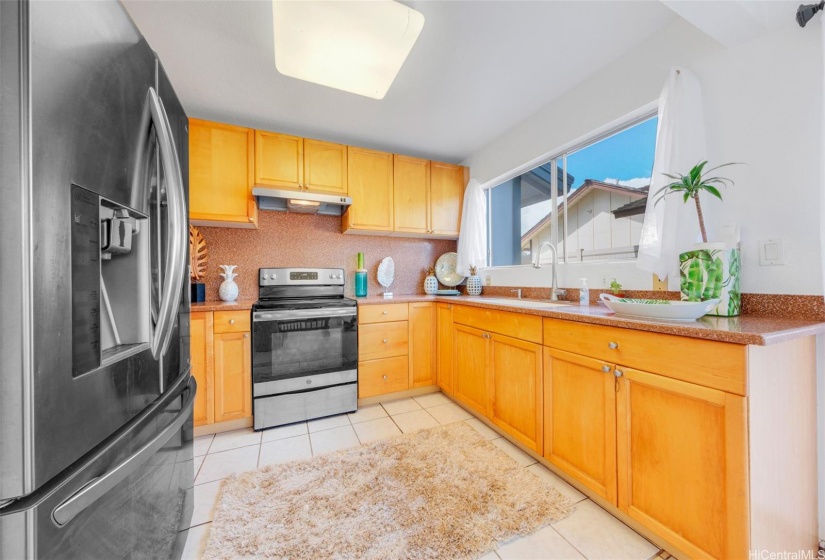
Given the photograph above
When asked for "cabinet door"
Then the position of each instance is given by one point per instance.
(233, 376)
(411, 194)
(515, 389)
(422, 344)
(682, 463)
(470, 363)
(279, 160)
(446, 198)
(325, 166)
(444, 346)
(221, 174)
(200, 332)
(580, 419)
(370, 187)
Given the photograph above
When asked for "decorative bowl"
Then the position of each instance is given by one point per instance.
(662, 309)
(445, 270)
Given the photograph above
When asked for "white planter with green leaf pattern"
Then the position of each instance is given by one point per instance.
(712, 271)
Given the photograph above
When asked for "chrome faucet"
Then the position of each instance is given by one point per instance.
(555, 292)
(518, 293)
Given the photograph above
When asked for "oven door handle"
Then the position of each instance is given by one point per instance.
(263, 316)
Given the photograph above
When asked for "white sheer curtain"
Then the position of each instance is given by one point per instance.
(680, 144)
(472, 241)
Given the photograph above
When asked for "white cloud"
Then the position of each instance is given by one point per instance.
(636, 183)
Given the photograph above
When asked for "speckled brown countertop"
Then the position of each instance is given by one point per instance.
(240, 305)
(745, 329)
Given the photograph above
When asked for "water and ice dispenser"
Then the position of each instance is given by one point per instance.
(111, 281)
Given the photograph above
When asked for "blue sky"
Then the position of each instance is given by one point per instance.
(625, 156)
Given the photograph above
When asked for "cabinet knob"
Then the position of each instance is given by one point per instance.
(385, 312)
(612, 345)
(385, 378)
(606, 368)
(618, 372)
(386, 341)
(246, 335)
(231, 321)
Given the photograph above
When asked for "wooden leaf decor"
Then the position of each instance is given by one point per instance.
(198, 254)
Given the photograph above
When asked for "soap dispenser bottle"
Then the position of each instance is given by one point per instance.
(584, 293)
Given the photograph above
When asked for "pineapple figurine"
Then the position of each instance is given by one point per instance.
(430, 282)
(474, 282)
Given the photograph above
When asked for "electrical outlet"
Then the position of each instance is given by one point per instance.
(605, 282)
(487, 280)
(659, 285)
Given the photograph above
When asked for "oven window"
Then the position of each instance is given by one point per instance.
(289, 348)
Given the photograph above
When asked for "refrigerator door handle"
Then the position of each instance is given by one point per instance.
(177, 235)
(99, 486)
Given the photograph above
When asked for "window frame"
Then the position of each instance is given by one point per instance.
(617, 126)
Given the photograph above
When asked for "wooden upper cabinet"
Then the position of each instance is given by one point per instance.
(682, 463)
(580, 419)
(447, 184)
(279, 160)
(370, 183)
(221, 172)
(422, 338)
(325, 167)
(411, 196)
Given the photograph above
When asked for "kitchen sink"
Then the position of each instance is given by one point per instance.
(531, 304)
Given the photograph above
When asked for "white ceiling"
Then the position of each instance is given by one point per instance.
(477, 69)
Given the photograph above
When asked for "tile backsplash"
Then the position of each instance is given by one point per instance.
(305, 240)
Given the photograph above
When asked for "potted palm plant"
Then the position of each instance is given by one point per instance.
(711, 270)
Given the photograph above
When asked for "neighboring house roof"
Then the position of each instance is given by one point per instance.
(634, 207)
(580, 193)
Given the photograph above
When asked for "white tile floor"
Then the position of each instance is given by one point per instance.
(589, 532)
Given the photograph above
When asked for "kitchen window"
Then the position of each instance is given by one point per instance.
(588, 201)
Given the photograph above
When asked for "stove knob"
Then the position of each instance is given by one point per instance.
(331, 275)
(266, 276)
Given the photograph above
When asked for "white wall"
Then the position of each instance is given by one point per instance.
(763, 107)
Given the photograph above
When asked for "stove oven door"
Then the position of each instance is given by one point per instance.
(307, 356)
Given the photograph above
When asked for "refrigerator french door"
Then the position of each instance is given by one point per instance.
(95, 392)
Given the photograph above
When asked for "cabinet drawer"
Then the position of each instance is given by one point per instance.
(383, 340)
(378, 377)
(719, 365)
(231, 321)
(517, 325)
(381, 313)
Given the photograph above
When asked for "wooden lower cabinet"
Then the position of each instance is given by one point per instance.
(396, 347)
(221, 355)
(422, 344)
(201, 351)
(682, 463)
(500, 377)
(444, 347)
(470, 362)
(233, 376)
(580, 419)
(379, 377)
(515, 389)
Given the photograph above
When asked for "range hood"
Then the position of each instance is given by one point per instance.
(300, 201)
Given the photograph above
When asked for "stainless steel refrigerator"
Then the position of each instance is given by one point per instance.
(95, 391)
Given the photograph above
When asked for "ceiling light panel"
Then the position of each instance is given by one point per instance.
(354, 46)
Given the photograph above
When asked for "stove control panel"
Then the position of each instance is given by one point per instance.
(301, 277)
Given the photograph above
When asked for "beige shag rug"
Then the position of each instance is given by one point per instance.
(440, 493)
